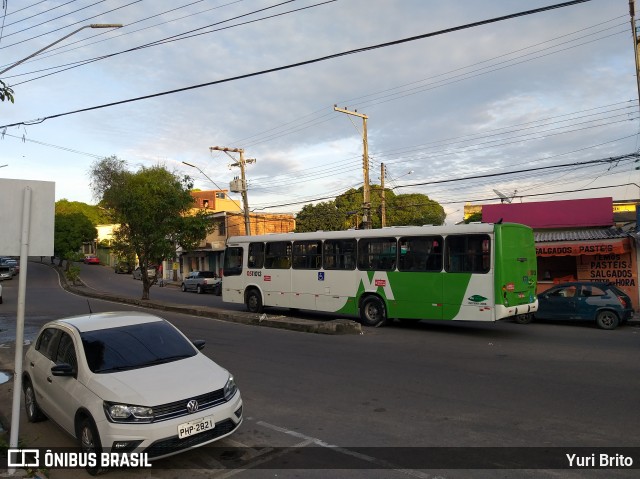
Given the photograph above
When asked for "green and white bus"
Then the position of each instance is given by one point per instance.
(474, 272)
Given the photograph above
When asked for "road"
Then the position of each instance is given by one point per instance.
(429, 385)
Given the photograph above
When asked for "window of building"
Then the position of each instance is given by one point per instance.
(220, 195)
(205, 203)
(377, 254)
(307, 254)
(467, 254)
(421, 253)
(340, 254)
(278, 255)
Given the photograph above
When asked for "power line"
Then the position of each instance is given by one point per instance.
(308, 62)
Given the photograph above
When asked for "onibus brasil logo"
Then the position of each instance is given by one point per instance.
(476, 298)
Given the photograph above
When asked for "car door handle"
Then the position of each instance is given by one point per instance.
(31, 364)
(49, 379)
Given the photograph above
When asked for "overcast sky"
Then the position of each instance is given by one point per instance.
(550, 88)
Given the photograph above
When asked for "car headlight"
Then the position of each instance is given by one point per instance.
(230, 388)
(127, 413)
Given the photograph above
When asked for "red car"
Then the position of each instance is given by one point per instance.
(91, 259)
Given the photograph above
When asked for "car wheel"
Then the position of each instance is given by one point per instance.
(523, 318)
(34, 413)
(183, 287)
(253, 300)
(607, 320)
(373, 312)
(199, 289)
(90, 443)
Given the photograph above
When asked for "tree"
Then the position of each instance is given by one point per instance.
(70, 232)
(474, 217)
(96, 214)
(151, 207)
(6, 92)
(414, 209)
(323, 216)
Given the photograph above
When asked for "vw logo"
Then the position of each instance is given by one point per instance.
(192, 406)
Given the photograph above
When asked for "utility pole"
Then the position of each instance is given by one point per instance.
(632, 13)
(366, 201)
(383, 203)
(241, 185)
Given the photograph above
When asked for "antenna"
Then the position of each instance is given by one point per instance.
(89, 304)
(504, 198)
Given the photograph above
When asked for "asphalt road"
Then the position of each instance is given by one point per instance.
(429, 385)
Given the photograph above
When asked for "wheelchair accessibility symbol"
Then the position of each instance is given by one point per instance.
(320, 275)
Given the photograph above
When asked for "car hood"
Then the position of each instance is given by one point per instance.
(162, 383)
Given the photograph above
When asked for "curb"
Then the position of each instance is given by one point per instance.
(335, 326)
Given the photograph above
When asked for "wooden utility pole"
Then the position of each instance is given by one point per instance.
(383, 203)
(634, 33)
(366, 201)
(242, 187)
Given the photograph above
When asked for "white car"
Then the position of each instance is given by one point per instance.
(128, 382)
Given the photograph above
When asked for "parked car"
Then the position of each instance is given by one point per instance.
(128, 381)
(11, 263)
(201, 281)
(6, 272)
(603, 303)
(91, 259)
(137, 273)
(122, 267)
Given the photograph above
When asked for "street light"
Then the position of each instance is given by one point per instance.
(93, 25)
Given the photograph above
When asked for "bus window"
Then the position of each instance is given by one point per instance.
(377, 254)
(468, 254)
(421, 253)
(278, 255)
(232, 261)
(340, 254)
(256, 255)
(307, 254)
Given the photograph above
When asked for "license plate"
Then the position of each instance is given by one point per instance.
(190, 428)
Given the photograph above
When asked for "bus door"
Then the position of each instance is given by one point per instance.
(468, 279)
(306, 284)
(276, 276)
(418, 284)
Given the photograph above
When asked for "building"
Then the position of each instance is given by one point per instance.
(228, 220)
(576, 240)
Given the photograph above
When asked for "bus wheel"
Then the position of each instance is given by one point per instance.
(253, 300)
(372, 311)
(524, 318)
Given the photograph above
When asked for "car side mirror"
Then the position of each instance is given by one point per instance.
(199, 343)
(63, 369)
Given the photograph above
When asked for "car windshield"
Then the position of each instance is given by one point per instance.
(135, 346)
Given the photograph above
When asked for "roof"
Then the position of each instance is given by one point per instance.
(579, 235)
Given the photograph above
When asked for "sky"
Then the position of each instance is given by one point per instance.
(523, 106)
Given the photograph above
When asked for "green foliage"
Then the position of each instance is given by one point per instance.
(6, 92)
(71, 231)
(150, 206)
(346, 211)
(96, 214)
(73, 273)
(323, 216)
(474, 218)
